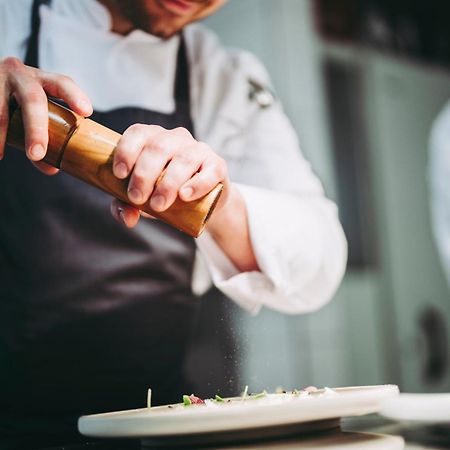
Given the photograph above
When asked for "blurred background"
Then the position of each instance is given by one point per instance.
(362, 82)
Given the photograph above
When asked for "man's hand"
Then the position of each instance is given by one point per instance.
(162, 165)
(29, 87)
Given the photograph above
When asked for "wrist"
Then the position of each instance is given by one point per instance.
(229, 228)
(231, 211)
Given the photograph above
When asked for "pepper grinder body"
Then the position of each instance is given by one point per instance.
(85, 149)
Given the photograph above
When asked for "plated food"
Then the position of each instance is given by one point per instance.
(218, 419)
(279, 395)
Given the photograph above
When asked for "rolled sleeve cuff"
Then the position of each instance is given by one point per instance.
(288, 242)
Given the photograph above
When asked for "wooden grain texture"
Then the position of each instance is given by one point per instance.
(89, 156)
(85, 149)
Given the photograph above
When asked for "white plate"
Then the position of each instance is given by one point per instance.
(427, 408)
(275, 410)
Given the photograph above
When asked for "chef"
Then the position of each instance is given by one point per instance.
(94, 310)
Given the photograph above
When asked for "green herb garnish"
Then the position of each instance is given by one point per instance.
(219, 399)
(245, 392)
(186, 400)
(259, 395)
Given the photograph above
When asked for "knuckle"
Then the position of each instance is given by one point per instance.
(35, 95)
(186, 159)
(219, 169)
(136, 128)
(139, 176)
(37, 132)
(182, 132)
(64, 80)
(222, 163)
(122, 151)
(166, 187)
(206, 151)
(201, 184)
(156, 128)
(12, 64)
(159, 147)
(202, 146)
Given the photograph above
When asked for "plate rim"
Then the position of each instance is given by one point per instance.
(136, 423)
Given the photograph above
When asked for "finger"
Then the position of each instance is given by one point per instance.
(4, 120)
(146, 172)
(130, 146)
(31, 97)
(45, 168)
(180, 169)
(63, 87)
(124, 213)
(213, 171)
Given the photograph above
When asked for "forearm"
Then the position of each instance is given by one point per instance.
(229, 228)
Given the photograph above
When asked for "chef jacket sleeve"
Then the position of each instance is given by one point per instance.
(15, 27)
(295, 231)
(439, 180)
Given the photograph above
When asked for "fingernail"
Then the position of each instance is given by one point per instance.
(85, 105)
(121, 170)
(187, 192)
(37, 151)
(122, 215)
(157, 202)
(135, 195)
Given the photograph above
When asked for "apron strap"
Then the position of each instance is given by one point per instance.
(182, 86)
(32, 54)
(182, 74)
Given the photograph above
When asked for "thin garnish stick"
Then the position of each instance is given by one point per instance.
(244, 395)
(149, 398)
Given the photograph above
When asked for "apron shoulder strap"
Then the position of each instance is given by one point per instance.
(181, 88)
(182, 85)
(32, 54)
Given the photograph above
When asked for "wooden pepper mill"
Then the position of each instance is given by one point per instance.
(85, 149)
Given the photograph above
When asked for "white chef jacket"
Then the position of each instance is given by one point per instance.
(439, 180)
(295, 231)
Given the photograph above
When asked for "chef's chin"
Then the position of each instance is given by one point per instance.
(152, 17)
(160, 29)
(163, 29)
(165, 18)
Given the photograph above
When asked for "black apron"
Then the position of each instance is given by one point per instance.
(91, 313)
